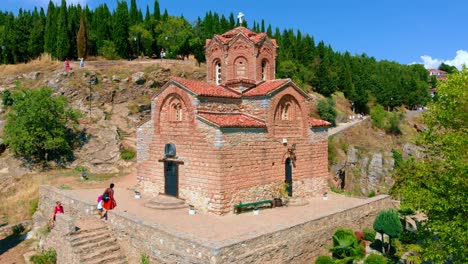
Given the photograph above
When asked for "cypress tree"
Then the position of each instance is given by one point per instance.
(36, 38)
(21, 31)
(120, 29)
(63, 41)
(101, 26)
(133, 16)
(82, 38)
(157, 11)
(263, 26)
(50, 33)
(232, 21)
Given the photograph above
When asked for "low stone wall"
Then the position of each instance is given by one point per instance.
(57, 239)
(298, 244)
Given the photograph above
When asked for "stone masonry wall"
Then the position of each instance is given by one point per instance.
(298, 244)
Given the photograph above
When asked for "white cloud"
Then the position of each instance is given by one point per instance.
(461, 58)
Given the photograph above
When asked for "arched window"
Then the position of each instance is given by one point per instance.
(177, 112)
(285, 111)
(264, 70)
(218, 72)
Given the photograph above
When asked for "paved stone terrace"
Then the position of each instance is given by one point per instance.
(219, 231)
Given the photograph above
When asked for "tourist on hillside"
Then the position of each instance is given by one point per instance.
(57, 210)
(108, 200)
(81, 62)
(67, 64)
(99, 205)
(163, 54)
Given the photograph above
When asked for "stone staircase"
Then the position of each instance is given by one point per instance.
(94, 244)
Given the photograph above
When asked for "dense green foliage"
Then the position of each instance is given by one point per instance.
(437, 183)
(346, 245)
(326, 110)
(375, 259)
(47, 257)
(388, 222)
(313, 65)
(389, 121)
(324, 260)
(39, 127)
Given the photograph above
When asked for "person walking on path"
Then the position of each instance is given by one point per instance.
(67, 65)
(109, 202)
(99, 205)
(81, 62)
(58, 209)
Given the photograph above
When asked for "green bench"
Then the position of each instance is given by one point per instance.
(238, 208)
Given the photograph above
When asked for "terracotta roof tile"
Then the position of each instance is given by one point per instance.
(227, 120)
(318, 122)
(231, 34)
(206, 89)
(266, 87)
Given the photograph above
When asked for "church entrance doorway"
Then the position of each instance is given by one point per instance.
(288, 175)
(171, 179)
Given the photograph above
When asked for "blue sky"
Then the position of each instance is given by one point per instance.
(405, 31)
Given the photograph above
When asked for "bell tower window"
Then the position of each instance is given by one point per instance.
(218, 72)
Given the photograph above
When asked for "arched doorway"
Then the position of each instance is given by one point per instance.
(288, 175)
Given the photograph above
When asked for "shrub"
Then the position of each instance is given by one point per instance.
(326, 110)
(17, 229)
(388, 222)
(47, 257)
(7, 99)
(145, 259)
(81, 168)
(378, 116)
(324, 260)
(375, 259)
(398, 158)
(369, 234)
(371, 194)
(41, 127)
(127, 154)
(109, 51)
(393, 126)
(346, 245)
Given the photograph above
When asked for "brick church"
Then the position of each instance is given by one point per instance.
(236, 137)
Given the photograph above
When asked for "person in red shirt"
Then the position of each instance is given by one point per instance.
(108, 201)
(57, 210)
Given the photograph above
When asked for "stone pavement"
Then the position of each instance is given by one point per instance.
(342, 126)
(224, 230)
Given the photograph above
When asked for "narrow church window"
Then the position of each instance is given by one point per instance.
(178, 112)
(285, 112)
(240, 67)
(264, 70)
(218, 73)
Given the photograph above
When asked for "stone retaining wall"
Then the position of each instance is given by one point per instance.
(298, 244)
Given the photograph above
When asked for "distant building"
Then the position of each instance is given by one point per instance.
(440, 75)
(237, 137)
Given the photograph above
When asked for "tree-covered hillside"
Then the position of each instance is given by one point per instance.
(72, 31)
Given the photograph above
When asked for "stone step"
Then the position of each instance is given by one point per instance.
(166, 202)
(101, 252)
(114, 258)
(87, 234)
(89, 246)
(91, 239)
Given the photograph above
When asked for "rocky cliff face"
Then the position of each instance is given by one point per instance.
(112, 101)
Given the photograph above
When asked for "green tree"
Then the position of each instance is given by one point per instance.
(62, 44)
(173, 34)
(326, 110)
(50, 31)
(447, 68)
(388, 222)
(36, 37)
(120, 29)
(82, 38)
(436, 184)
(40, 128)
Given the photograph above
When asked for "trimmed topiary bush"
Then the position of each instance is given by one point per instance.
(375, 259)
(324, 260)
